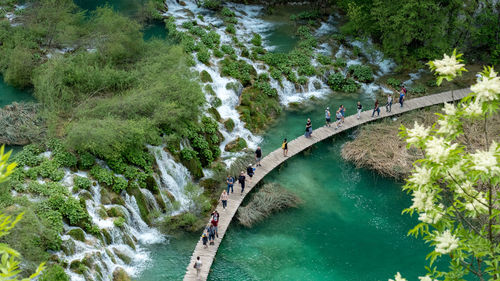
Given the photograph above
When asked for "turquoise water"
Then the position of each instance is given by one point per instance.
(282, 35)
(9, 94)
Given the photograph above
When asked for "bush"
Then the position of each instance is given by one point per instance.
(362, 73)
(340, 62)
(256, 40)
(119, 222)
(212, 4)
(205, 76)
(218, 53)
(324, 60)
(395, 83)
(418, 89)
(102, 175)
(119, 184)
(188, 154)
(350, 86)
(211, 39)
(54, 273)
(302, 80)
(239, 70)
(82, 183)
(203, 56)
(226, 12)
(230, 28)
(227, 49)
(336, 81)
(50, 169)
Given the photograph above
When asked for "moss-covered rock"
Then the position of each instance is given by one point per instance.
(194, 167)
(117, 199)
(121, 255)
(78, 267)
(236, 145)
(205, 77)
(120, 275)
(68, 247)
(110, 254)
(101, 211)
(128, 241)
(210, 185)
(105, 197)
(160, 201)
(107, 236)
(258, 109)
(215, 114)
(134, 190)
(77, 234)
(151, 184)
(116, 212)
(229, 124)
(85, 195)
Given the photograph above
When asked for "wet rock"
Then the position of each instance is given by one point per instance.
(77, 234)
(317, 85)
(107, 236)
(120, 275)
(117, 199)
(105, 197)
(205, 77)
(127, 240)
(110, 255)
(182, 3)
(160, 202)
(85, 195)
(102, 212)
(78, 267)
(236, 145)
(116, 212)
(121, 255)
(68, 247)
(215, 114)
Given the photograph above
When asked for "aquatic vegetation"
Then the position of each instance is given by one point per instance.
(362, 73)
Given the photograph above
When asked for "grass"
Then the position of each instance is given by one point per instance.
(378, 147)
(270, 198)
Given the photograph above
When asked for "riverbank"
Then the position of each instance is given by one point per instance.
(390, 157)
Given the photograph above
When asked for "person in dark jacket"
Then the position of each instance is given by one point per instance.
(250, 172)
(241, 180)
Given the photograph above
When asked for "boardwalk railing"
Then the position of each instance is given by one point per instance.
(297, 145)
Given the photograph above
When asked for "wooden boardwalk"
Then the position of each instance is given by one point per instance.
(295, 146)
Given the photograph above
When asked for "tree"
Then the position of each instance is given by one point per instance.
(10, 261)
(456, 190)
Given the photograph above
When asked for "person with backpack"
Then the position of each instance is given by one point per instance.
(376, 109)
(197, 265)
(258, 156)
(204, 238)
(327, 117)
(223, 198)
(401, 97)
(230, 183)
(211, 234)
(241, 180)
(250, 172)
(360, 107)
(284, 146)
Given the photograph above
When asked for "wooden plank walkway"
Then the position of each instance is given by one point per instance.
(295, 146)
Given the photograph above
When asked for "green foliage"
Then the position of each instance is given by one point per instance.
(218, 53)
(211, 39)
(212, 4)
(119, 184)
(256, 40)
(227, 49)
(226, 12)
(258, 109)
(394, 82)
(338, 82)
(239, 70)
(54, 273)
(203, 56)
(82, 183)
(302, 80)
(205, 76)
(29, 156)
(230, 28)
(102, 175)
(324, 60)
(50, 169)
(306, 15)
(417, 89)
(362, 73)
(20, 68)
(119, 222)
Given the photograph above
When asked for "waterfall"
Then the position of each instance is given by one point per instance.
(173, 176)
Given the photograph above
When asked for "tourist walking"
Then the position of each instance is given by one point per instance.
(197, 266)
(223, 198)
(250, 172)
(241, 180)
(328, 117)
(376, 109)
(401, 97)
(211, 234)
(342, 111)
(258, 156)
(284, 146)
(388, 106)
(215, 222)
(403, 89)
(204, 238)
(230, 183)
(308, 128)
(360, 107)
(338, 115)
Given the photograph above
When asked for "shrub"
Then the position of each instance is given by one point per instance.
(307, 70)
(205, 76)
(418, 89)
(239, 70)
(350, 86)
(324, 60)
(28, 156)
(395, 83)
(119, 184)
(197, 30)
(226, 12)
(302, 80)
(218, 53)
(102, 175)
(230, 28)
(54, 273)
(187, 24)
(340, 62)
(203, 56)
(50, 169)
(256, 40)
(119, 222)
(336, 81)
(82, 182)
(86, 161)
(188, 154)
(212, 4)
(211, 39)
(362, 73)
(227, 49)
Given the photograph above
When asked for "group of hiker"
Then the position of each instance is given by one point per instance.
(211, 230)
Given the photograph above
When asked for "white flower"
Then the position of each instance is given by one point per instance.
(455, 172)
(465, 188)
(438, 149)
(449, 109)
(474, 109)
(422, 200)
(417, 133)
(445, 242)
(421, 176)
(398, 277)
(448, 65)
(432, 217)
(477, 205)
(486, 161)
(426, 278)
(446, 127)
(488, 88)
